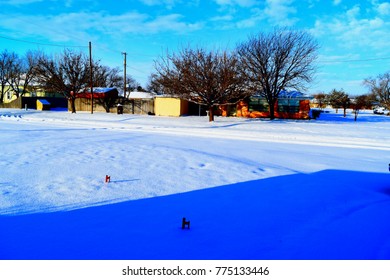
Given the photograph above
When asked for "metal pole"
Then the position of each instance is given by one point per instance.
(91, 73)
(124, 77)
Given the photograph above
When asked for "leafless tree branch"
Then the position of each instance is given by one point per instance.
(276, 61)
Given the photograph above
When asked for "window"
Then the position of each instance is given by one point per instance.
(288, 105)
(258, 104)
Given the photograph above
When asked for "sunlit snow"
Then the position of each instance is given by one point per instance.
(252, 189)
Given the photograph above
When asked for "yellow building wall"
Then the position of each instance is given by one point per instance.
(169, 106)
(9, 100)
(11, 96)
(42, 105)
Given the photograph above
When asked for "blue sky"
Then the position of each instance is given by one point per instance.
(354, 36)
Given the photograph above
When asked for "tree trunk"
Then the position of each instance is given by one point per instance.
(72, 104)
(2, 95)
(211, 113)
(272, 110)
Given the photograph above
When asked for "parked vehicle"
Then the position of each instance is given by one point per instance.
(381, 111)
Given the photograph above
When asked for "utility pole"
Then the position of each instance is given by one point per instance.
(124, 77)
(91, 73)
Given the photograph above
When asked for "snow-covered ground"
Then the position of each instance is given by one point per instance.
(252, 189)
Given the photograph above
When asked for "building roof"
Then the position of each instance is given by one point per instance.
(43, 101)
(98, 92)
(141, 95)
(292, 94)
(284, 94)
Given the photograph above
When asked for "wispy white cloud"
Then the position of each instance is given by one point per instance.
(18, 2)
(336, 2)
(169, 4)
(353, 28)
(241, 3)
(257, 15)
(69, 3)
(353, 13)
(170, 23)
(62, 28)
(223, 18)
(383, 8)
(350, 36)
(57, 3)
(280, 12)
(83, 26)
(336, 59)
(248, 13)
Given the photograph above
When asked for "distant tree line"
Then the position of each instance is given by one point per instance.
(66, 73)
(379, 95)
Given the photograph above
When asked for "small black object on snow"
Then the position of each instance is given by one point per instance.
(185, 224)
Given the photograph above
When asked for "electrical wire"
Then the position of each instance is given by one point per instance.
(41, 44)
(354, 60)
(67, 46)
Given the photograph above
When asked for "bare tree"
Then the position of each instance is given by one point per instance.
(17, 73)
(276, 61)
(203, 77)
(7, 65)
(104, 76)
(23, 74)
(66, 74)
(380, 87)
(153, 84)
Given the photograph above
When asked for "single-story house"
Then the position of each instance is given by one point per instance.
(290, 105)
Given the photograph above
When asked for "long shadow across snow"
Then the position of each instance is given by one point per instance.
(332, 214)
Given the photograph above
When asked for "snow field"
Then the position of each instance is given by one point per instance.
(253, 189)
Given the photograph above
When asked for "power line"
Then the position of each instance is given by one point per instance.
(63, 46)
(134, 54)
(132, 68)
(354, 60)
(108, 49)
(41, 44)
